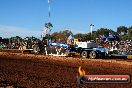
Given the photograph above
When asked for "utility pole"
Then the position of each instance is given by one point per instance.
(49, 2)
(48, 25)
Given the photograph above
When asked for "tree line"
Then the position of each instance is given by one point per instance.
(123, 33)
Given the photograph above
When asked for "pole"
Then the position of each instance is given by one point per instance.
(91, 27)
(49, 1)
(49, 25)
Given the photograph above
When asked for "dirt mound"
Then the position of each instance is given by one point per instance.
(39, 71)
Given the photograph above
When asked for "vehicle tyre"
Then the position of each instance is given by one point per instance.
(101, 56)
(84, 54)
(93, 55)
(36, 49)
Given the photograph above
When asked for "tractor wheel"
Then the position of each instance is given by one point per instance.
(93, 55)
(84, 54)
(36, 49)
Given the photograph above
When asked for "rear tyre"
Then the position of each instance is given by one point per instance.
(84, 54)
(36, 49)
(93, 55)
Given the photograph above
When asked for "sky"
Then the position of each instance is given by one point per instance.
(27, 17)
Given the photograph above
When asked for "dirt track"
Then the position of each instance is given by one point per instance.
(37, 71)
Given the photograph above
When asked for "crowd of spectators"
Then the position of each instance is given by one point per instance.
(123, 46)
(16, 43)
(111, 44)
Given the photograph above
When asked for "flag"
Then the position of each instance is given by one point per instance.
(44, 32)
(70, 37)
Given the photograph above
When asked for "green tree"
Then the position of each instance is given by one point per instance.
(104, 31)
(79, 35)
(61, 36)
(122, 30)
(130, 32)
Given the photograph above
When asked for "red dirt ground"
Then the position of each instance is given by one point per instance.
(39, 71)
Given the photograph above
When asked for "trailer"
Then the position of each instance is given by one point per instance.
(89, 50)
